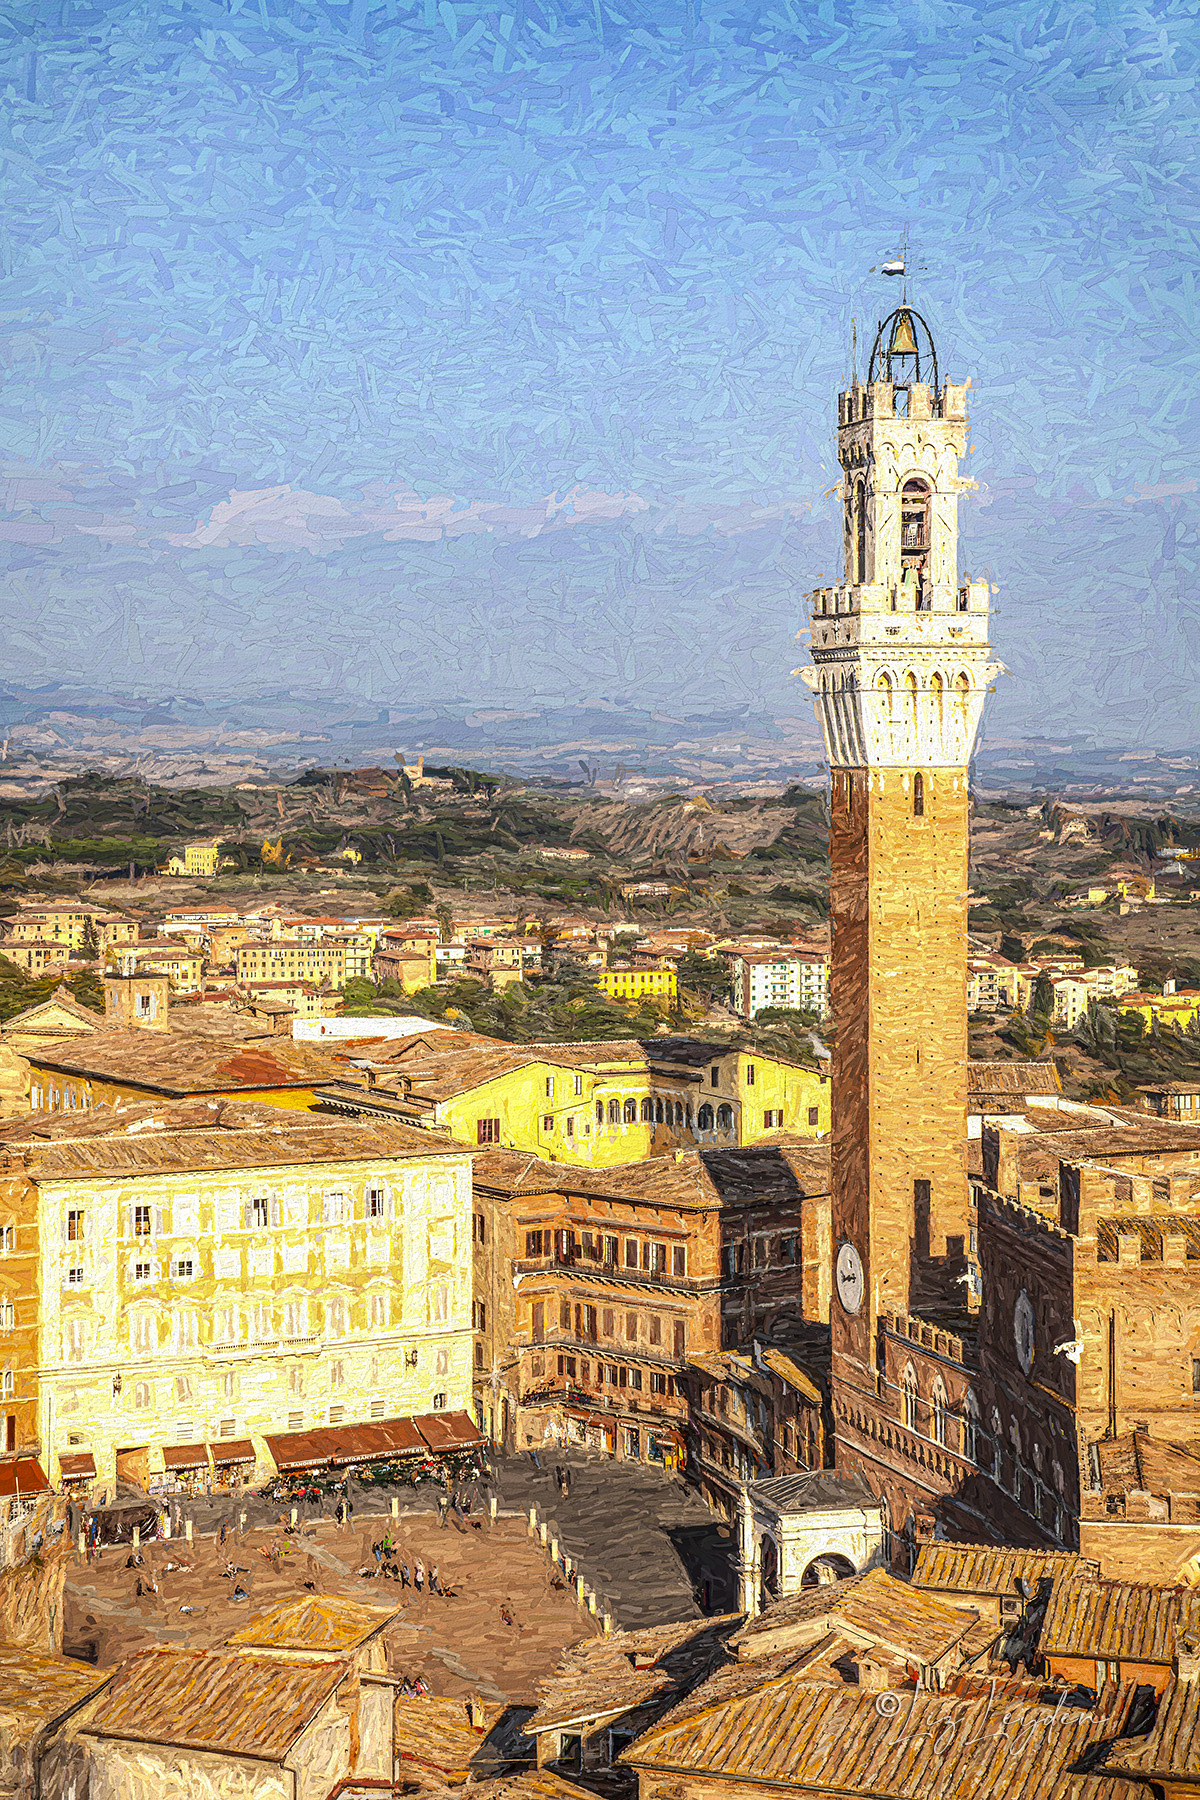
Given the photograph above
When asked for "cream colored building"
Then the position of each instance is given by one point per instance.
(188, 1274)
(285, 959)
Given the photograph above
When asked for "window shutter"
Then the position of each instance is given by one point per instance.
(248, 1213)
(129, 1221)
(274, 1209)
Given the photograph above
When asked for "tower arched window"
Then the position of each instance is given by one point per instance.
(614, 1112)
(883, 684)
(860, 523)
(971, 1429)
(908, 1387)
(914, 518)
(630, 1112)
(647, 1111)
(937, 688)
(938, 1413)
(658, 1112)
(918, 796)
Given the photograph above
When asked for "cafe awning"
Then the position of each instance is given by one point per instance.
(374, 1440)
(78, 1467)
(232, 1450)
(178, 1458)
(24, 1475)
(448, 1431)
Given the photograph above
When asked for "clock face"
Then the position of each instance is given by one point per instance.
(1023, 1330)
(849, 1278)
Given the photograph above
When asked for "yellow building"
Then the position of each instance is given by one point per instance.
(182, 964)
(201, 858)
(593, 1104)
(176, 1277)
(76, 927)
(622, 981)
(284, 959)
(37, 959)
(1180, 1007)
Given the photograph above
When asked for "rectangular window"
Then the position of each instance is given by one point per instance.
(375, 1203)
(480, 1316)
(631, 1327)
(589, 1323)
(183, 1268)
(655, 1329)
(578, 1086)
(141, 1271)
(680, 1345)
(607, 1322)
(8, 1239)
(539, 1321)
(1196, 1375)
(74, 1226)
(75, 1277)
(564, 1315)
(635, 1380)
(714, 1076)
(631, 1253)
(749, 1074)
(787, 1250)
(610, 1251)
(487, 1131)
(549, 1087)
(547, 1121)
(679, 1259)
(260, 1213)
(658, 1383)
(141, 1221)
(533, 1243)
(570, 1127)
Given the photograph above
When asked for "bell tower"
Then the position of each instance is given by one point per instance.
(900, 666)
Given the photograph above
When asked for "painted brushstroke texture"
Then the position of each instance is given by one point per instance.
(485, 350)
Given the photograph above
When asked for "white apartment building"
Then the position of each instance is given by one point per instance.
(798, 982)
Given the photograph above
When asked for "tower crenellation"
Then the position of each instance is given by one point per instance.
(901, 658)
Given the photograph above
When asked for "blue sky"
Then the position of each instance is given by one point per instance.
(485, 353)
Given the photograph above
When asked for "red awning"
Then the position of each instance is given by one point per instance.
(377, 1440)
(22, 1476)
(186, 1456)
(448, 1431)
(233, 1450)
(80, 1467)
(299, 1449)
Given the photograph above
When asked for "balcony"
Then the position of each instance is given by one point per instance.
(585, 1267)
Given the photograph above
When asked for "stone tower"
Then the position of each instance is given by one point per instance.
(901, 663)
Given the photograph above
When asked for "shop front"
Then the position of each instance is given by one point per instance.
(233, 1464)
(186, 1470)
(76, 1473)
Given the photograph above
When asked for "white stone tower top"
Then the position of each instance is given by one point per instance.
(900, 651)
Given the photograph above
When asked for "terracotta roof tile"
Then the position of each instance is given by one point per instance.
(216, 1700)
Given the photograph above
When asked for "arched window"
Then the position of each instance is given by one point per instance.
(647, 1111)
(679, 1115)
(996, 1438)
(937, 688)
(909, 1395)
(938, 1414)
(688, 1116)
(914, 518)
(918, 796)
(599, 1112)
(910, 694)
(725, 1118)
(883, 684)
(141, 1395)
(971, 1429)
(861, 527)
(630, 1112)
(704, 1118)
(614, 1112)
(658, 1112)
